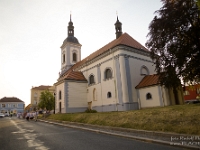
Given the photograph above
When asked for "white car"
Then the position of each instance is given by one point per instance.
(2, 115)
(6, 114)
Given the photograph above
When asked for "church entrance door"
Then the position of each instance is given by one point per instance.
(60, 107)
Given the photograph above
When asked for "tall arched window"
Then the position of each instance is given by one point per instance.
(108, 74)
(148, 96)
(74, 57)
(60, 95)
(63, 58)
(91, 79)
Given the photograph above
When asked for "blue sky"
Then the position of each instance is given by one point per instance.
(31, 33)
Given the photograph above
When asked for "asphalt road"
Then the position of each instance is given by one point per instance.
(19, 134)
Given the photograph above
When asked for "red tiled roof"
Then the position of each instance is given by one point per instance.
(75, 75)
(124, 39)
(28, 107)
(10, 99)
(42, 87)
(148, 80)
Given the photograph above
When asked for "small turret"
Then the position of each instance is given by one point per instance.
(118, 28)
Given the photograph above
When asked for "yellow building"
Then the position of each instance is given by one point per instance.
(36, 92)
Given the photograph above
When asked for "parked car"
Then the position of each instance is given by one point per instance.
(6, 114)
(193, 102)
(2, 115)
(40, 112)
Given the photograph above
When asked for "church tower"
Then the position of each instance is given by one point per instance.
(118, 28)
(70, 49)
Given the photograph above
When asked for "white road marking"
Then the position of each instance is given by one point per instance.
(30, 137)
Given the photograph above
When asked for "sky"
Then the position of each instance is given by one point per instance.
(32, 32)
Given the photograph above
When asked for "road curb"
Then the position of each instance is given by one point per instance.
(123, 130)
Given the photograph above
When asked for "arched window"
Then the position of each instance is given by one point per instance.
(91, 79)
(74, 57)
(109, 95)
(108, 74)
(148, 96)
(60, 95)
(63, 58)
(144, 70)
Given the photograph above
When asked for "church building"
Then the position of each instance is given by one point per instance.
(120, 76)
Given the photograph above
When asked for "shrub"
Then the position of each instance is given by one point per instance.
(90, 111)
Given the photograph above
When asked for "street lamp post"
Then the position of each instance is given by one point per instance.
(54, 103)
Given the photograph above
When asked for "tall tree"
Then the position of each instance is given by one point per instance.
(47, 101)
(174, 41)
(198, 3)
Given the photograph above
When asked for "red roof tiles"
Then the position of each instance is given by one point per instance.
(75, 75)
(148, 80)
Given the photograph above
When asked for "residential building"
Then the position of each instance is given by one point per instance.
(36, 92)
(29, 108)
(106, 79)
(192, 92)
(11, 105)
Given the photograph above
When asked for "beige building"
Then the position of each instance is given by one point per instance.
(36, 92)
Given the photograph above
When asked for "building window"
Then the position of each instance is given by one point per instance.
(148, 96)
(3, 105)
(91, 79)
(60, 95)
(108, 74)
(198, 90)
(74, 57)
(109, 95)
(9, 105)
(63, 58)
(186, 93)
(14, 105)
(35, 95)
(144, 71)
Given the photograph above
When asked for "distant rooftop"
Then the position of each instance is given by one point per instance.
(10, 99)
(41, 87)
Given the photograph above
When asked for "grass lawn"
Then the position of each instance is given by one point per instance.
(183, 119)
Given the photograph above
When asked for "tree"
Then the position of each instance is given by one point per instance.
(198, 3)
(174, 42)
(47, 101)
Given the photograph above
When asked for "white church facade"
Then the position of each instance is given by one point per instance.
(120, 76)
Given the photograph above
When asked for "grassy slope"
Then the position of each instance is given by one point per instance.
(178, 119)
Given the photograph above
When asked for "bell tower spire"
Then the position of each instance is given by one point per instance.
(70, 49)
(118, 28)
(70, 27)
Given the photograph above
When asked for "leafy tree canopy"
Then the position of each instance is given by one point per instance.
(47, 101)
(174, 41)
(198, 3)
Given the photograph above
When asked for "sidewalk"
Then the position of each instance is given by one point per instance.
(177, 140)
